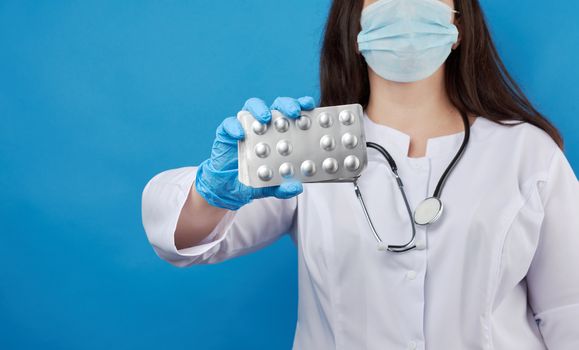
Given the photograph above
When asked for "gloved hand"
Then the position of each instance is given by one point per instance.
(217, 177)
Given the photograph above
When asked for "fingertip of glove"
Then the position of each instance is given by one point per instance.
(307, 102)
(290, 189)
(258, 109)
(233, 128)
(265, 117)
(293, 112)
(288, 106)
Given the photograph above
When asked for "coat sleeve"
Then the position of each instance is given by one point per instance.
(553, 277)
(255, 225)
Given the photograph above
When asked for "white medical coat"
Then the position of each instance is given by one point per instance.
(498, 270)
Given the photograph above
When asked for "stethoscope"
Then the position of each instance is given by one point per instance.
(429, 210)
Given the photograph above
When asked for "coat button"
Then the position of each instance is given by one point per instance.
(411, 274)
(420, 244)
(412, 345)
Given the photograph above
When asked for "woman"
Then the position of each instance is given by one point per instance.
(498, 270)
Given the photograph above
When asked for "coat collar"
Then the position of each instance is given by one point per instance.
(398, 143)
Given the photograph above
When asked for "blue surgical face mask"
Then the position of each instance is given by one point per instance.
(406, 40)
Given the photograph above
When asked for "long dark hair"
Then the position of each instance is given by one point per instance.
(477, 81)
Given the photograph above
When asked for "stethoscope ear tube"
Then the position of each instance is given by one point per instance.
(428, 211)
(381, 245)
(385, 153)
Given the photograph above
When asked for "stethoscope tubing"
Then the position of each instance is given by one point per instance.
(437, 193)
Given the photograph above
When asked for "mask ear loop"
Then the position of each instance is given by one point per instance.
(457, 17)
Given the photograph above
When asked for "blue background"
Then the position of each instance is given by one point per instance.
(96, 97)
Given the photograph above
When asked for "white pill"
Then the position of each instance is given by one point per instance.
(262, 150)
(264, 173)
(346, 117)
(286, 170)
(304, 122)
(325, 119)
(330, 165)
(259, 128)
(284, 147)
(352, 163)
(308, 168)
(281, 124)
(349, 140)
(327, 143)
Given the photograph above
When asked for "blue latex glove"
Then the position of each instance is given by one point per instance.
(217, 177)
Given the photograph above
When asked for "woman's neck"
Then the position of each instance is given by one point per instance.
(420, 108)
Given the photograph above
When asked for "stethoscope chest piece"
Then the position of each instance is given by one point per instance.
(428, 211)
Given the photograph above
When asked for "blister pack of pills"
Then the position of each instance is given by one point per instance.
(325, 144)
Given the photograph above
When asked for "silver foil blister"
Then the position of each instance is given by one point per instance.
(326, 144)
